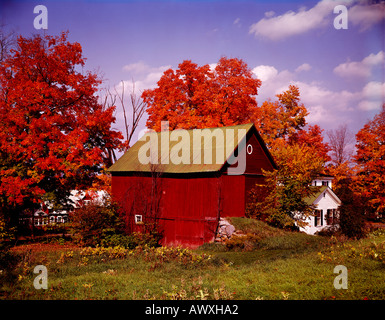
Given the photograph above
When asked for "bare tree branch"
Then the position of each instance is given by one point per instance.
(137, 108)
(7, 41)
(339, 141)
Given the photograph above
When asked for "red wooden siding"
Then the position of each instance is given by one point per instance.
(188, 206)
(257, 159)
(233, 196)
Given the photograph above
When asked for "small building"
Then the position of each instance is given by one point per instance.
(326, 203)
(191, 179)
(47, 215)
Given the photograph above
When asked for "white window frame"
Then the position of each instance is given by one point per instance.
(138, 219)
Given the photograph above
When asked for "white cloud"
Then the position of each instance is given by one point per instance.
(269, 14)
(293, 23)
(367, 105)
(143, 76)
(365, 15)
(303, 67)
(325, 106)
(373, 96)
(237, 21)
(374, 90)
(360, 68)
(265, 73)
(137, 67)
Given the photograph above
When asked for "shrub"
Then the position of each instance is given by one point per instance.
(93, 222)
(132, 240)
(245, 242)
(352, 222)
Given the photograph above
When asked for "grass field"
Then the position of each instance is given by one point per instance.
(274, 264)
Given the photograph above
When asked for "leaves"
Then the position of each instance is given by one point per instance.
(370, 159)
(198, 97)
(53, 131)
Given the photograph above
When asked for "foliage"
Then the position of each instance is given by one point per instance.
(54, 135)
(7, 233)
(244, 242)
(282, 118)
(370, 159)
(93, 222)
(300, 154)
(351, 220)
(200, 97)
(288, 187)
(131, 241)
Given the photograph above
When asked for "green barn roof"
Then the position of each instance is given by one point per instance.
(129, 162)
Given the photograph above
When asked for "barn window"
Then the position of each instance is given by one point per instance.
(138, 219)
(249, 149)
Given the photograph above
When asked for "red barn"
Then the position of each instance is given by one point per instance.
(185, 180)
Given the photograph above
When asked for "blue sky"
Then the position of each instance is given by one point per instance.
(340, 72)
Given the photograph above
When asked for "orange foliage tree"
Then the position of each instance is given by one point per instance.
(300, 154)
(370, 159)
(198, 97)
(282, 123)
(54, 134)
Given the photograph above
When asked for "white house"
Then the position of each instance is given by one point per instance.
(46, 215)
(326, 204)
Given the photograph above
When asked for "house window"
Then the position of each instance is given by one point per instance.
(325, 183)
(138, 219)
(249, 149)
(318, 218)
(331, 216)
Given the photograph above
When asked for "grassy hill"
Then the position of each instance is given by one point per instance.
(276, 264)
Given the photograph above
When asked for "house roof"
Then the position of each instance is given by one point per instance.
(129, 162)
(321, 189)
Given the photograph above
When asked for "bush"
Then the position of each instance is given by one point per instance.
(352, 222)
(245, 242)
(132, 240)
(93, 222)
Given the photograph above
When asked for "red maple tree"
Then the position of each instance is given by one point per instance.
(370, 160)
(200, 97)
(54, 134)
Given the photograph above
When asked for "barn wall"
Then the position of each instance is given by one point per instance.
(256, 158)
(233, 196)
(252, 181)
(188, 206)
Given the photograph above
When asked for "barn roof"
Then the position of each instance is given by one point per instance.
(129, 162)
